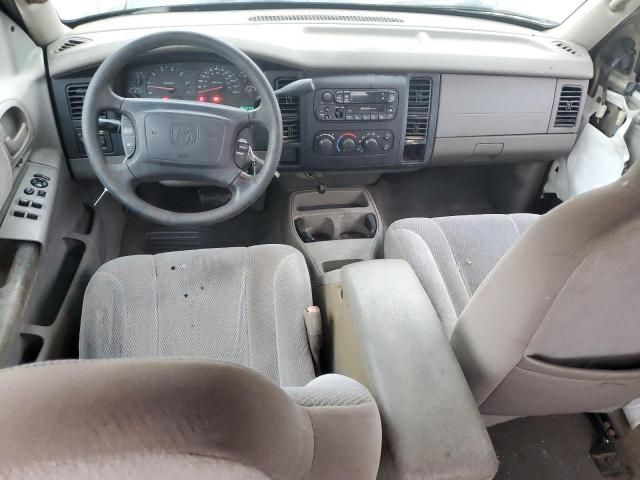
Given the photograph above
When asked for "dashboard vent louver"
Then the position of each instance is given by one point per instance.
(324, 18)
(70, 43)
(290, 110)
(75, 98)
(419, 110)
(566, 47)
(568, 106)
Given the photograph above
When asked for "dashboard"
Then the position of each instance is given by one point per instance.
(389, 95)
(194, 81)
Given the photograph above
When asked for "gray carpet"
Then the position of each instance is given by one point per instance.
(435, 192)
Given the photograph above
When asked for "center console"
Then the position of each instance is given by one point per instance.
(334, 228)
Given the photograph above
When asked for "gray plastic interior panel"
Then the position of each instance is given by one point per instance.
(31, 206)
(475, 105)
(6, 178)
(413, 43)
(501, 149)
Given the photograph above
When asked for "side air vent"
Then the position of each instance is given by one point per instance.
(419, 110)
(75, 98)
(566, 47)
(324, 18)
(290, 110)
(568, 106)
(70, 43)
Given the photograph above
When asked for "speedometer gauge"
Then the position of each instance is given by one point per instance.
(219, 83)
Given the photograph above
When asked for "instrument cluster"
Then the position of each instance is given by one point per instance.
(194, 81)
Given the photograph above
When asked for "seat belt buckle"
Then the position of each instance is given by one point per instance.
(313, 324)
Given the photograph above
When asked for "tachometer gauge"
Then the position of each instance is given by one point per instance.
(218, 84)
(168, 81)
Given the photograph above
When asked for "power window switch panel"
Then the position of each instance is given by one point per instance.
(32, 216)
(18, 214)
(36, 204)
(23, 202)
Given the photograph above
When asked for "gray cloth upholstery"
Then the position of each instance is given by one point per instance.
(168, 418)
(452, 255)
(240, 305)
(553, 328)
(331, 391)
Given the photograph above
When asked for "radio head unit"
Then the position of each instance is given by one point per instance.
(356, 105)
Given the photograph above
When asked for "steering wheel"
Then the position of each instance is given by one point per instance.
(181, 140)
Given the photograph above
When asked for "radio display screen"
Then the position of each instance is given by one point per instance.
(370, 96)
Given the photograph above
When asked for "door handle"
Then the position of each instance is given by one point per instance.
(19, 140)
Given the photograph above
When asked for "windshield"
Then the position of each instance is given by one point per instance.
(546, 13)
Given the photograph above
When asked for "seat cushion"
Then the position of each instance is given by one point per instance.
(452, 255)
(239, 305)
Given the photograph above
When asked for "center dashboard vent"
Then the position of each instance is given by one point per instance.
(290, 110)
(71, 42)
(75, 98)
(419, 110)
(306, 18)
(568, 106)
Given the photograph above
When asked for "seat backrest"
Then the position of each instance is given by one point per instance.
(555, 327)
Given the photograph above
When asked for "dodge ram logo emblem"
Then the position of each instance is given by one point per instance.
(185, 135)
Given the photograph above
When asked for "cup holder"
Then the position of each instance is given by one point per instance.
(319, 228)
(314, 229)
(362, 226)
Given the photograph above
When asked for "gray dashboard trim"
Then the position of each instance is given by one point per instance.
(421, 44)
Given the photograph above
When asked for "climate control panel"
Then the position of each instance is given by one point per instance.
(352, 142)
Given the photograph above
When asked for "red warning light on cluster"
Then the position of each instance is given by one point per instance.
(202, 99)
(216, 99)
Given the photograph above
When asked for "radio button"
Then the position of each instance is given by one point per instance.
(339, 96)
(327, 97)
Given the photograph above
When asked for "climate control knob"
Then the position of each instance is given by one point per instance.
(347, 145)
(347, 142)
(371, 145)
(325, 145)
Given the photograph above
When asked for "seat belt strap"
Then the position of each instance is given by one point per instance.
(313, 323)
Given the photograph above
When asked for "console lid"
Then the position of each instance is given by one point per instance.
(385, 333)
